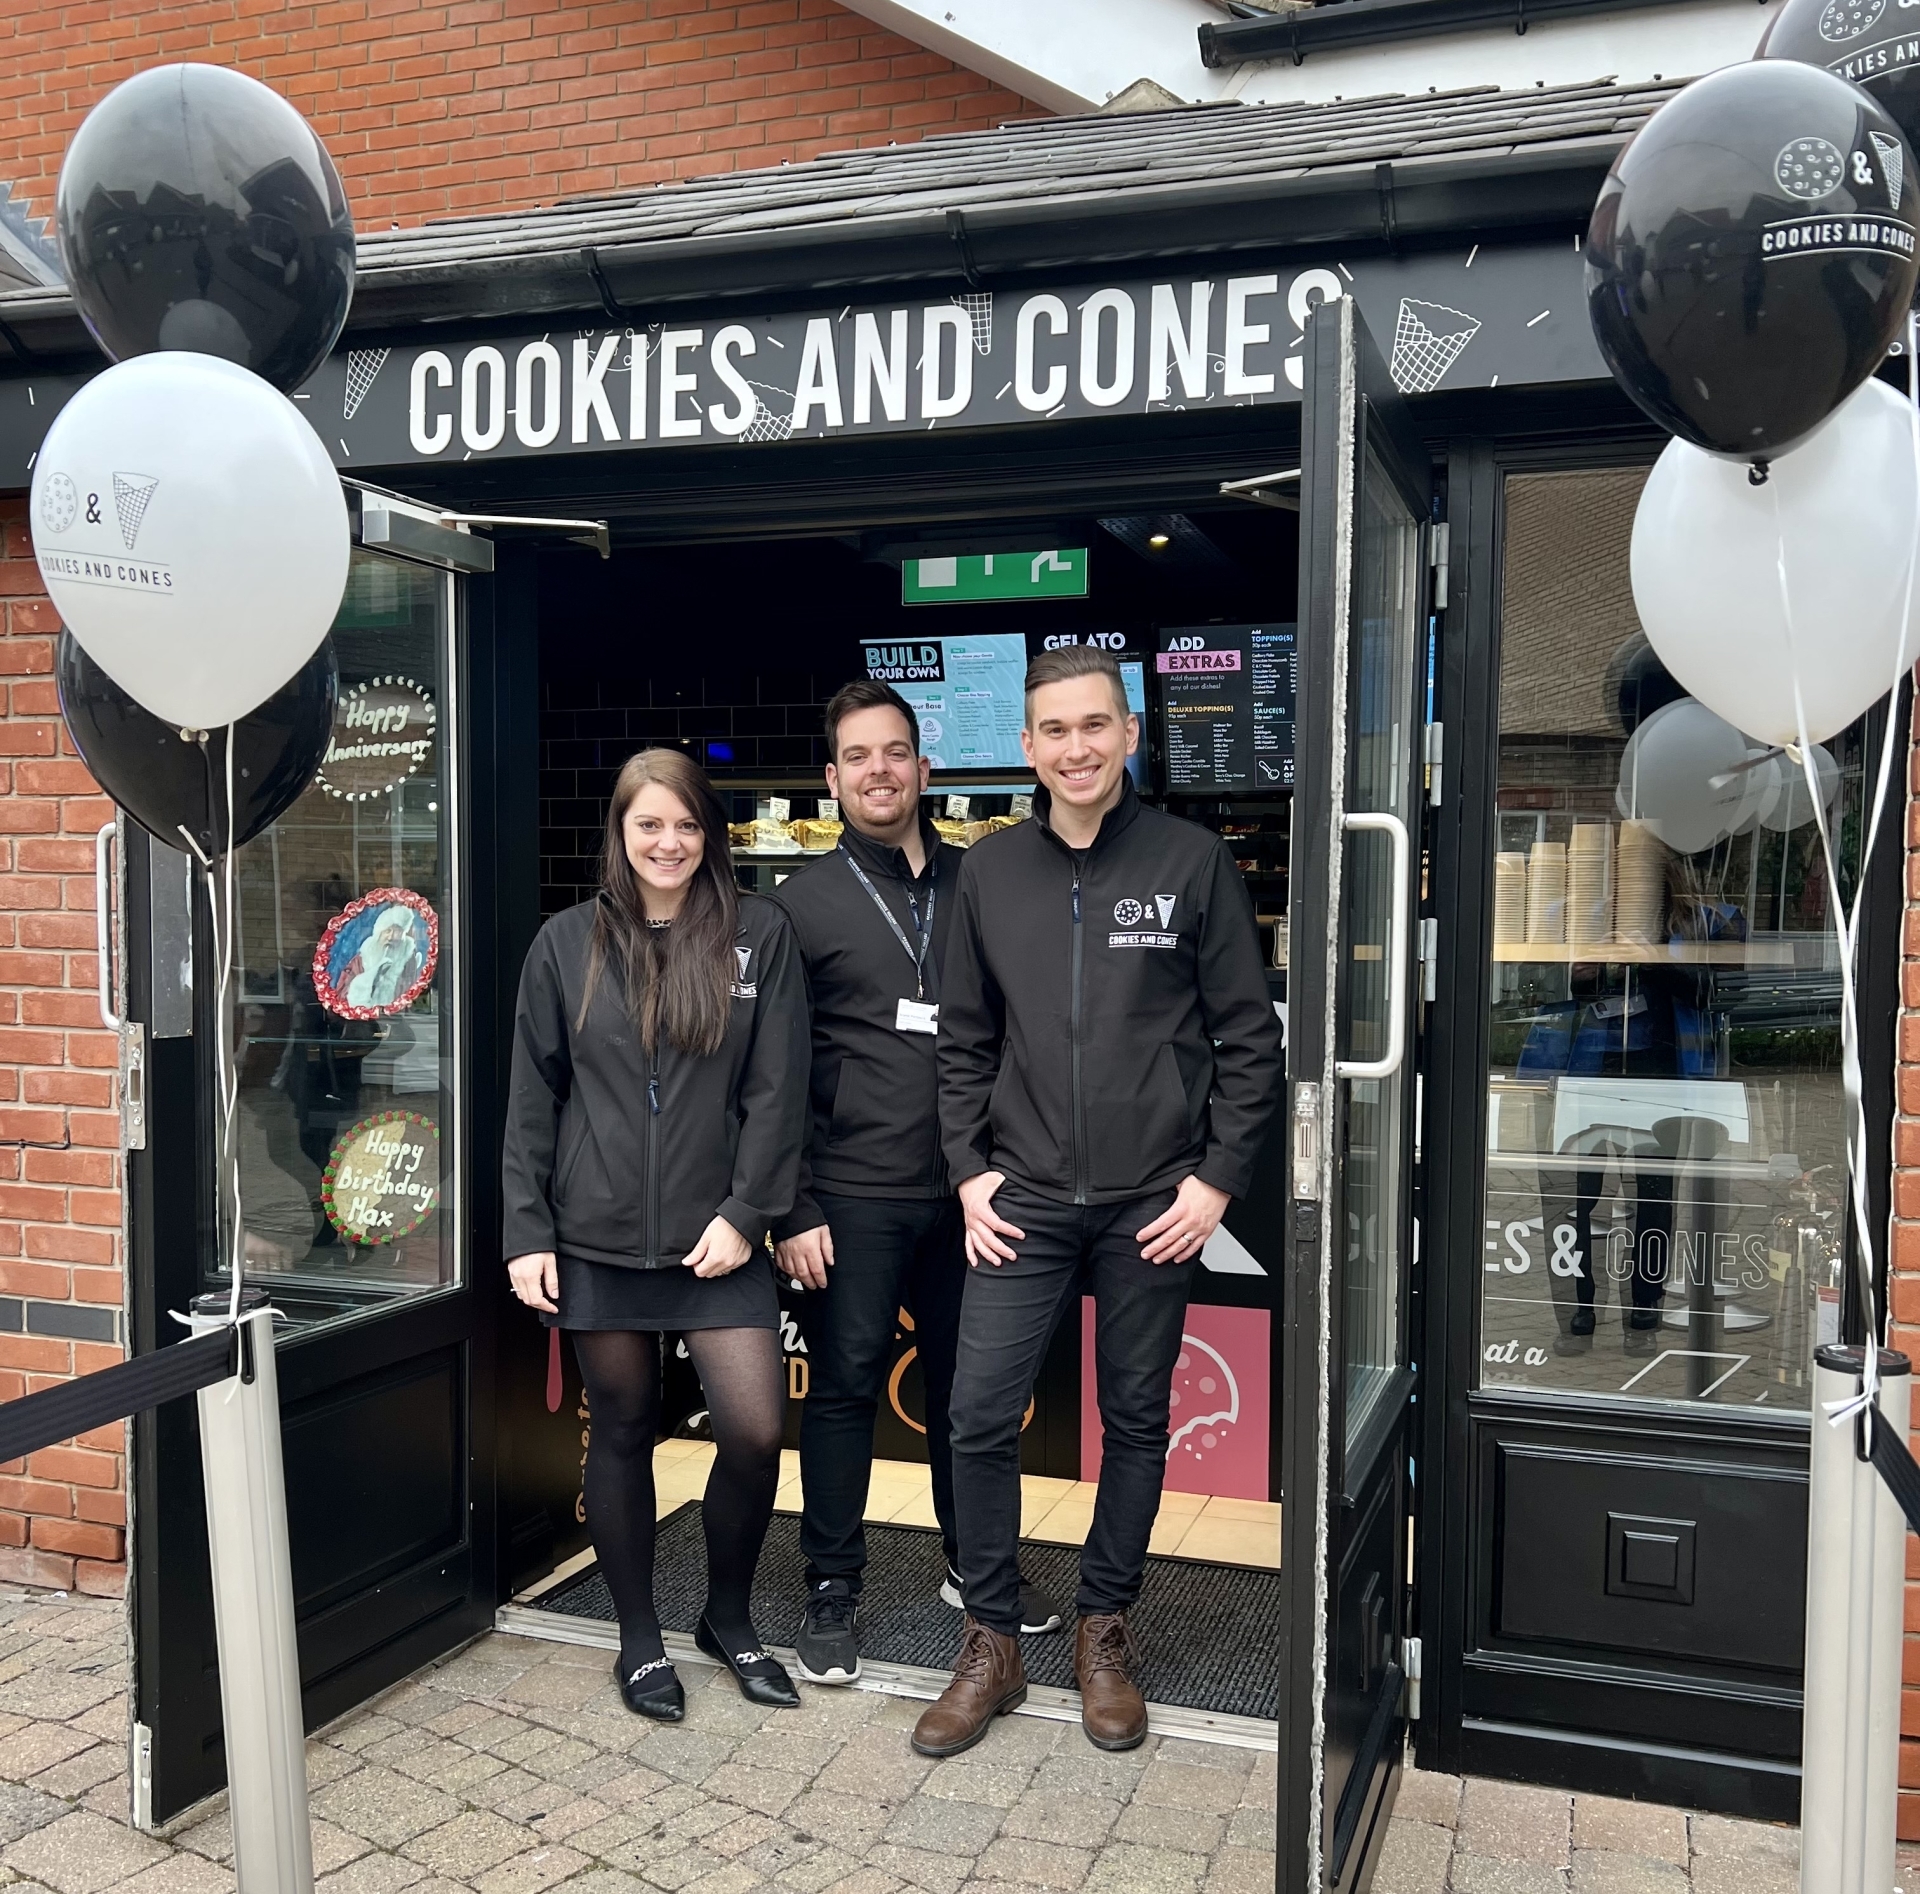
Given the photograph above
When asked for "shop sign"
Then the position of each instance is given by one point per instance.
(383, 1179)
(969, 579)
(383, 731)
(1470, 319)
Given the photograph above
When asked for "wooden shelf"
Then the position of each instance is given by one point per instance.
(1718, 953)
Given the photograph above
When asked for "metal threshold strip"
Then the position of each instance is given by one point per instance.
(527, 1620)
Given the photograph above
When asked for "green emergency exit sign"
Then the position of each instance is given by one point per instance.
(970, 578)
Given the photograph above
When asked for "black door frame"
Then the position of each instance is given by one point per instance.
(1726, 1766)
(366, 1641)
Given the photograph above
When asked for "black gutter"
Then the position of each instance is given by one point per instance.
(1407, 203)
(1318, 29)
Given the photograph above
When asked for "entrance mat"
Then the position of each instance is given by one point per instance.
(1209, 1635)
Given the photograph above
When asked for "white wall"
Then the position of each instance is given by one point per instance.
(1074, 55)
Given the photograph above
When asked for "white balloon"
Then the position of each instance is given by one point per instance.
(1792, 805)
(192, 534)
(1671, 777)
(1840, 513)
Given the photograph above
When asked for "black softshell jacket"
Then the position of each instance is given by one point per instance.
(615, 1157)
(876, 1130)
(1105, 1028)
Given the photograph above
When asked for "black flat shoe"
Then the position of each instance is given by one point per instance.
(653, 1690)
(762, 1679)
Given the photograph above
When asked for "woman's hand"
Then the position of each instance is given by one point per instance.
(536, 1280)
(720, 1251)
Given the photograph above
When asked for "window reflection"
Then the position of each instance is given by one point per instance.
(344, 980)
(1665, 1161)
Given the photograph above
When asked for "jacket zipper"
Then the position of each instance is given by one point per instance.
(653, 1157)
(1073, 1040)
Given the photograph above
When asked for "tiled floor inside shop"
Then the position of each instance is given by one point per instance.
(512, 1769)
(1229, 1531)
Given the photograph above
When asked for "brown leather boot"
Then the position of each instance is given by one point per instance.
(1112, 1711)
(988, 1681)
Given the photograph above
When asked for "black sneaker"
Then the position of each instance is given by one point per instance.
(827, 1645)
(1038, 1612)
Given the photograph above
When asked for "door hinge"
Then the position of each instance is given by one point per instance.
(1439, 546)
(1410, 1663)
(140, 1774)
(1429, 957)
(1433, 754)
(133, 1086)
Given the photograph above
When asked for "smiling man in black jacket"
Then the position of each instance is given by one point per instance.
(1109, 1059)
(875, 1224)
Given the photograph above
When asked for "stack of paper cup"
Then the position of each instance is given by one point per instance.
(1590, 884)
(1640, 891)
(1509, 896)
(1547, 893)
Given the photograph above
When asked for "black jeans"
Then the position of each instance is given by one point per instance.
(888, 1253)
(1006, 1322)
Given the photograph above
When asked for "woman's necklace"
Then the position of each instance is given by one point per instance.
(657, 925)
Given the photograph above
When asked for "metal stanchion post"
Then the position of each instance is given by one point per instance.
(253, 1609)
(1856, 1573)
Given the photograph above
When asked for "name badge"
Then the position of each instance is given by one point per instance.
(917, 1016)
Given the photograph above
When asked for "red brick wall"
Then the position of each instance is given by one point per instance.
(485, 105)
(63, 1511)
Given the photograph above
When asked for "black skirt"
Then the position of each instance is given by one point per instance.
(672, 1300)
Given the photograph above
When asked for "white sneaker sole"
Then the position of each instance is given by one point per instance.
(837, 1677)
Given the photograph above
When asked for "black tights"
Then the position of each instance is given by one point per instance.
(739, 1369)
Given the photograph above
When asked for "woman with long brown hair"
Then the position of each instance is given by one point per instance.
(654, 1130)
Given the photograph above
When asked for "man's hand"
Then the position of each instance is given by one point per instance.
(720, 1251)
(1180, 1232)
(984, 1229)
(806, 1257)
(536, 1280)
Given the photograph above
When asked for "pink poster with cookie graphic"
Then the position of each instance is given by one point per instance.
(1219, 1421)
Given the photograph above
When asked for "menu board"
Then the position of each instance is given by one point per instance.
(969, 694)
(1227, 707)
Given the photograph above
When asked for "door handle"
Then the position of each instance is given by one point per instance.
(1388, 1063)
(102, 923)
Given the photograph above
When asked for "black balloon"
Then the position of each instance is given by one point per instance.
(1638, 684)
(198, 210)
(1752, 254)
(166, 782)
(1871, 42)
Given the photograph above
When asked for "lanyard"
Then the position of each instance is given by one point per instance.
(924, 929)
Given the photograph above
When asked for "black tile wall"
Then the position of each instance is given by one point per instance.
(587, 730)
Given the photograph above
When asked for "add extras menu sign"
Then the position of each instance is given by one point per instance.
(1227, 707)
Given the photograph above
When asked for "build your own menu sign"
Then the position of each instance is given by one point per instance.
(968, 693)
(1227, 707)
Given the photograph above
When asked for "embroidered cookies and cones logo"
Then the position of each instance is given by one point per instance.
(1138, 918)
(1847, 19)
(1810, 169)
(1893, 164)
(743, 988)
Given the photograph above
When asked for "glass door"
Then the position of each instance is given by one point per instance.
(1365, 505)
(348, 1013)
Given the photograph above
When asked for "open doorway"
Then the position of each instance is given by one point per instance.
(730, 653)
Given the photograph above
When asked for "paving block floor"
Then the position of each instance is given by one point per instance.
(512, 1768)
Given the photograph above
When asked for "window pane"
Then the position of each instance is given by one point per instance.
(1386, 580)
(343, 994)
(1665, 1143)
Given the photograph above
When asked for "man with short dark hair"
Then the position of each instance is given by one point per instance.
(1109, 1059)
(876, 1224)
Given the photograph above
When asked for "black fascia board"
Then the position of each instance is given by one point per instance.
(1414, 202)
(1318, 29)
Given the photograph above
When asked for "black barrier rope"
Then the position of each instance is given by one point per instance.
(1894, 1464)
(129, 1387)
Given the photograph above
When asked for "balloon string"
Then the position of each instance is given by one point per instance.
(230, 1141)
